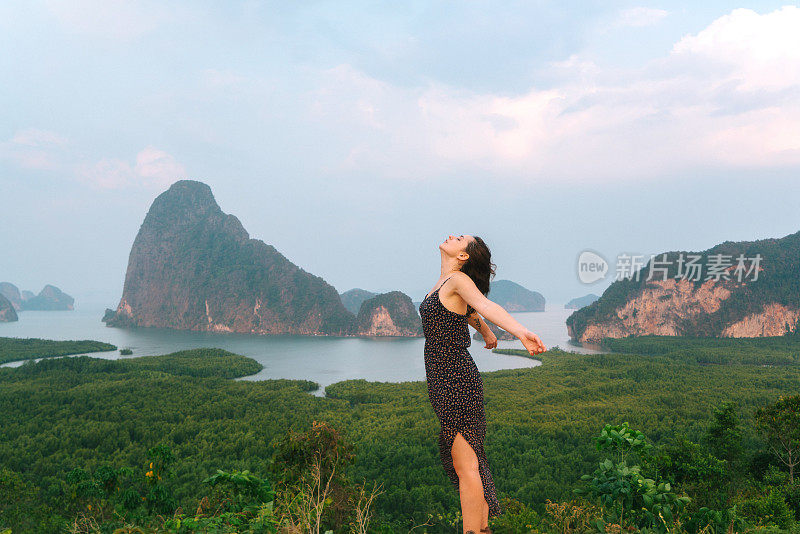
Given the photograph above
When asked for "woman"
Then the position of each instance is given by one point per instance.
(455, 387)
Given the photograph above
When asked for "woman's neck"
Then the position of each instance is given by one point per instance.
(449, 265)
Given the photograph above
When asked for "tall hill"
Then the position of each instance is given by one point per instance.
(7, 312)
(389, 314)
(193, 267)
(761, 299)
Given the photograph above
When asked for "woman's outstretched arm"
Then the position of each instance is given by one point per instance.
(476, 322)
(467, 290)
(480, 325)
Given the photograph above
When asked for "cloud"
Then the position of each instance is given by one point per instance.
(724, 98)
(157, 167)
(38, 138)
(760, 51)
(107, 174)
(35, 149)
(153, 168)
(639, 17)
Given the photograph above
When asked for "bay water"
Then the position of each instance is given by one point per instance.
(323, 359)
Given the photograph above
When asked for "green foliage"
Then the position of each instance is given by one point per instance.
(700, 474)
(716, 521)
(15, 349)
(241, 502)
(111, 495)
(119, 498)
(624, 493)
(59, 414)
(516, 517)
(318, 457)
(199, 363)
(101, 494)
(577, 515)
(780, 424)
(724, 436)
(262, 522)
(159, 498)
(769, 509)
(519, 352)
(779, 350)
(239, 490)
(791, 493)
(18, 501)
(621, 439)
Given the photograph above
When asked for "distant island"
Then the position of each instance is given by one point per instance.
(580, 302)
(50, 298)
(391, 314)
(515, 298)
(760, 299)
(193, 267)
(353, 299)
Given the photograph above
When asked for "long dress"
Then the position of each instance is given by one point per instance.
(455, 388)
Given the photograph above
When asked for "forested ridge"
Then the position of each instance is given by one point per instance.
(172, 444)
(13, 349)
(777, 282)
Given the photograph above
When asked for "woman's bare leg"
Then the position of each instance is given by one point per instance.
(485, 515)
(470, 485)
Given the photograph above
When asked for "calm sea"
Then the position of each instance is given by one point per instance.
(323, 359)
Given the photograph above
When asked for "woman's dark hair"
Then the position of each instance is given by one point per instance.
(479, 265)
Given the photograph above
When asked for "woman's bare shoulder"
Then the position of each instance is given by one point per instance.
(463, 279)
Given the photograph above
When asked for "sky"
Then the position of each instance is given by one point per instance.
(356, 136)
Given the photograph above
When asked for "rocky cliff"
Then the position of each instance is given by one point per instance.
(353, 299)
(762, 299)
(7, 312)
(193, 267)
(11, 292)
(515, 298)
(389, 314)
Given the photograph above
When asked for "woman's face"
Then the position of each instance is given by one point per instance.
(454, 246)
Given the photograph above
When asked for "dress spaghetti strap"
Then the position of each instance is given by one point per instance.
(470, 309)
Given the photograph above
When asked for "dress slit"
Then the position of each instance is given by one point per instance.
(483, 467)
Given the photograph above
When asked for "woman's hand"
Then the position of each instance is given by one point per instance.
(490, 339)
(532, 342)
